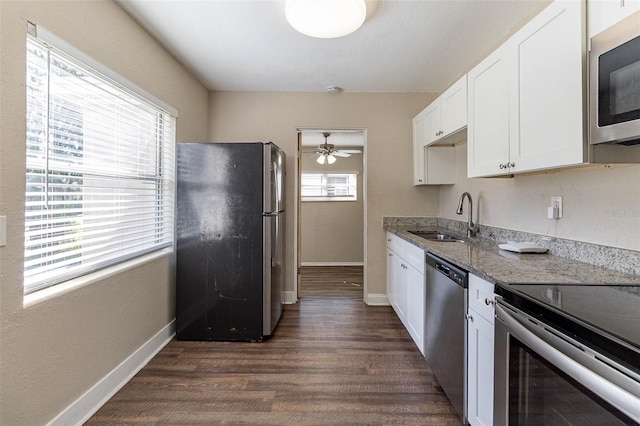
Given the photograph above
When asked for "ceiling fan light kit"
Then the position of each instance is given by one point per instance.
(327, 152)
(326, 18)
(330, 159)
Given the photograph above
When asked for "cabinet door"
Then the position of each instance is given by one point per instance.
(432, 123)
(400, 287)
(415, 306)
(418, 150)
(546, 90)
(604, 13)
(480, 370)
(488, 115)
(453, 105)
(390, 275)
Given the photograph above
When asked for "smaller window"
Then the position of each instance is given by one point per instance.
(329, 186)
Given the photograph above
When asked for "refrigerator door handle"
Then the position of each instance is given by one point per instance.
(270, 214)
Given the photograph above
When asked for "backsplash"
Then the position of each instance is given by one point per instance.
(618, 259)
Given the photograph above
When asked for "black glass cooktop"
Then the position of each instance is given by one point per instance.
(604, 316)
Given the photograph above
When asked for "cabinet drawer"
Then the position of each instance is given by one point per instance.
(482, 297)
(413, 255)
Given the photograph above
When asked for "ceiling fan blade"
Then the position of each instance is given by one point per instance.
(341, 154)
(351, 151)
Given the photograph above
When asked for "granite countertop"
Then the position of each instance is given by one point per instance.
(483, 258)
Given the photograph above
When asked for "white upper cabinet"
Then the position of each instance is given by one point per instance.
(432, 127)
(526, 100)
(488, 126)
(418, 150)
(432, 165)
(604, 13)
(453, 105)
(447, 115)
(547, 90)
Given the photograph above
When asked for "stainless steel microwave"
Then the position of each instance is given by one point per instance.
(614, 66)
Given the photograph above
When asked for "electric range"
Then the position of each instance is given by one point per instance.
(606, 316)
(556, 340)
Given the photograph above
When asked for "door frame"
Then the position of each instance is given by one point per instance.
(298, 207)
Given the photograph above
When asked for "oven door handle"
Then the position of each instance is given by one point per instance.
(623, 400)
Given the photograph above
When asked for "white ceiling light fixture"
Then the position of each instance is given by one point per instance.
(326, 18)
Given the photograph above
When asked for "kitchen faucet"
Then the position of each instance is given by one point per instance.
(471, 228)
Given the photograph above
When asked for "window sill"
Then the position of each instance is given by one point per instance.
(314, 199)
(85, 280)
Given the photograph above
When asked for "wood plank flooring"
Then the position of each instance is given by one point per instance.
(332, 282)
(331, 360)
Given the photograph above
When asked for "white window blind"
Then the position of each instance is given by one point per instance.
(100, 170)
(329, 186)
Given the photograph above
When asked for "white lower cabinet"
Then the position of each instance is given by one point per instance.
(415, 308)
(480, 339)
(406, 286)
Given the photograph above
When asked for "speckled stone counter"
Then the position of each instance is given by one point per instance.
(483, 258)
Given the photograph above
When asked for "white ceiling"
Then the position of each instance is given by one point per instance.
(405, 46)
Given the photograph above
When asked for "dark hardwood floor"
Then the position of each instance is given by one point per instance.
(331, 360)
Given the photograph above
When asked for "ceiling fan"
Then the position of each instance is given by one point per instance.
(327, 152)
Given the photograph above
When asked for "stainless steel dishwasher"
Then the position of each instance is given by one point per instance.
(446, 329)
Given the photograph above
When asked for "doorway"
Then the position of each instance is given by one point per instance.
(331, 201)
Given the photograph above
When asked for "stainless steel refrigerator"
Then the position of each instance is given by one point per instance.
(230, 226)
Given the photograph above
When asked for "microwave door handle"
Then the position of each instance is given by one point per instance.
(623, 400)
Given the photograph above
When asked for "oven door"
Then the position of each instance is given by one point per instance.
(544, 378)
(615, 83)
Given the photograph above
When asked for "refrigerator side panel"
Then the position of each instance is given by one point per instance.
(219, 255)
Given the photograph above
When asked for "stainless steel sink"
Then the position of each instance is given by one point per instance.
(435, 236)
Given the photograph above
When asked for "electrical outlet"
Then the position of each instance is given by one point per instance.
(557, 202)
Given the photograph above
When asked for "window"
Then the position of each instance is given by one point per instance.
(100, 169)
(329, 186)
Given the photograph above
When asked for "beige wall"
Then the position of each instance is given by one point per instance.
(54, 351)
(332, 231)
(601, 204)
(388, 155)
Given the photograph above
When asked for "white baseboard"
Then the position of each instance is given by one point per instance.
(289, 297)
(377, 299)
(332, 264)
(84, 407)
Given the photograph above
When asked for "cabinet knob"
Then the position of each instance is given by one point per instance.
(503, 166)
(419, 180)
(468, 317)
(511, 165)
(488, 301)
